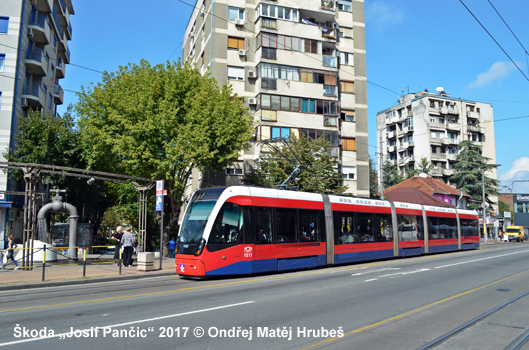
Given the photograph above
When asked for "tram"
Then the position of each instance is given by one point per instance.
(246, 230)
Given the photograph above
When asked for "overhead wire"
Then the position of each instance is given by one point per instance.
(492, 37)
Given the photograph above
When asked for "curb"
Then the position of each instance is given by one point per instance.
(80, 281)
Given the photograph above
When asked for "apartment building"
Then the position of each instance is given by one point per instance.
(301, 66)
(34, 51)
(431, 125)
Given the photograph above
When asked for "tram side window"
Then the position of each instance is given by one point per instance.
(344, 227)
(383, 228)
(263, 225)
(410, 227)
(364, 228)
(286, 225)
(469, 227)
(310, 225)
(227, 228)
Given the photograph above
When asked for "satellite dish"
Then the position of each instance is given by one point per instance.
(440, 89)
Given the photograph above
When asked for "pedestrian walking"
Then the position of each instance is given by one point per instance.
(172, 247)
(127, 242)
(8, 254)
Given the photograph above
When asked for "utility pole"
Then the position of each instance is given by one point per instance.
(483, 205)
(381, 170)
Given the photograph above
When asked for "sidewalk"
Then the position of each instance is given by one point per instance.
(68, 273)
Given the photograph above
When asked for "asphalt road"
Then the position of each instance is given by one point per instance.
(394, 304)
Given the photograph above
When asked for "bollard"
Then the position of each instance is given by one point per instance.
(84, 262)
(44, 263)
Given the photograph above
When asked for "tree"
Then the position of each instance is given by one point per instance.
(391, 175)
(424, 166)
(502, 208)
(318, 172)
(373, 179)
(161, 122)
(470, 166)
(44, 139)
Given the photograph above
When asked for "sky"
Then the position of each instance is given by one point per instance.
(411, 45)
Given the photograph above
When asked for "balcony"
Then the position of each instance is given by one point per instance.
(269, 83)
(328, 5)
(451, 156)
(391, 149)
(474, 115)
(329, 90)
(329, 61)
(436, 173)
(34, 61)
(391, 134)
(475, 128)
(328, 33)
(449, 172)
(58, 95)
(330, 121)
(39, 32)
(31, 92)
(453, 111)
(453, 126)
(60, 68)
(448, 141)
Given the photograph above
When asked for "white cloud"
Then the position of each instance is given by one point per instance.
(497, 71)
(383, 15)
(517, 177)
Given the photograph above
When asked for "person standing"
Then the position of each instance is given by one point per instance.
(117, 237)
(11, 246)
(127, 242)
(172, 247)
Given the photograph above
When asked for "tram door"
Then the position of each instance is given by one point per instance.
(264, 236)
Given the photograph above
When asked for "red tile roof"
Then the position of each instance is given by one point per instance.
(428, 185)
(414, 195)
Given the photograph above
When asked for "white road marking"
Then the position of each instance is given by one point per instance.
(128, 323)
(375, 271)
(490, 257)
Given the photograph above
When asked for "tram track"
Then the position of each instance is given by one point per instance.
(517, 343)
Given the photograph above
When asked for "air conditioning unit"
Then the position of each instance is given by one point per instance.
(30, 33)
(202, 9)
(252, 101)
(191, 34)
(242, 53)
(239, 22)
(24, 102)
(252, 74)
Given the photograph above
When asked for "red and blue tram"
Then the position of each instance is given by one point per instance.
(246, 230)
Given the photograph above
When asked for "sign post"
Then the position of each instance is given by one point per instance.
(159, 207)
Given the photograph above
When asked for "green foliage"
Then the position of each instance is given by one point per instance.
(391, 175)
(160, 122)
(502, 208)
(424, 166)
(318, 173)
(373, 179)
(470, 166)
(44, 139)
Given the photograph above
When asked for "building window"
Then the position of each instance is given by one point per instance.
(4, 24)
(235, 43)
(269, 23)
(235, 73)
(235, 13)
(347, 86)
(0, 100)
(54, 42)
(45, 88)
(2, 61)
(50, 100)
(434, 135)
(234, 171)
(311, 46)
(346, 59)
(347, 116)
(349, 172)
(269, 53)
(344, 5)
(348, 144)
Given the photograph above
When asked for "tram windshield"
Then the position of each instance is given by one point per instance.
(197, 214)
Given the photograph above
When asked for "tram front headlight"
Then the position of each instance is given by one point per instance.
(200, 247)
